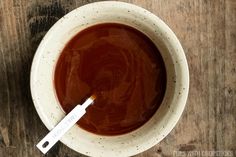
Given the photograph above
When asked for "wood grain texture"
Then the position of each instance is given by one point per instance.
(207, 31)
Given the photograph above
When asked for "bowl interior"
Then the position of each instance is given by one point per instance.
(44, 95)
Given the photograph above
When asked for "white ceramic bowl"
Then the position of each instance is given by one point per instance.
(166, 117)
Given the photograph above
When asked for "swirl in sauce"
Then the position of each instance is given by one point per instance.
(122, 67)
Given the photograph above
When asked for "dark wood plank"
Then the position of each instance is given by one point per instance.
(207, 31)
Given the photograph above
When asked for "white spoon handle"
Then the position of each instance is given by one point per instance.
(63, 126)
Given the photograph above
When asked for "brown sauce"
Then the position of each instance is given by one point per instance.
(122, 67)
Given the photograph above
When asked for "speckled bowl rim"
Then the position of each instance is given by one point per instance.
(137, 141)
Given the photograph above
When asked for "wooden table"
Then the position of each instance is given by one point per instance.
(207, 31)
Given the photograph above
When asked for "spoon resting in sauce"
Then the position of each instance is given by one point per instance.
(64, 125)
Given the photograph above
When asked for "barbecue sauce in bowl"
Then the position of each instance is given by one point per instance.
(119, 64)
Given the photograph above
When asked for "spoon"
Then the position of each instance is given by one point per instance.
(64, 125)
